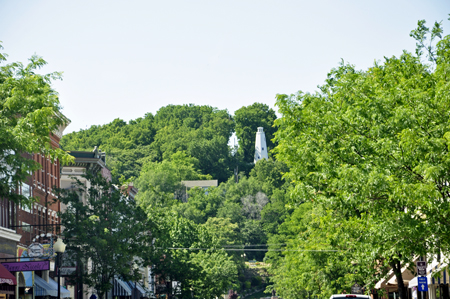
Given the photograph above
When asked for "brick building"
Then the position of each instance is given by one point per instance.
(22, 225)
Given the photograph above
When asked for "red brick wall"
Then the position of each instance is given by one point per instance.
(43, 211)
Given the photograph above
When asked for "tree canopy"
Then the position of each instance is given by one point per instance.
(106, 228)
(200, 131)
(371, 149)
(29, 114)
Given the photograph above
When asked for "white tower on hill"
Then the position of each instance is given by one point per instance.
(260, 145)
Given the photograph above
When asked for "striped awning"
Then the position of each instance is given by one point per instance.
(65, 293)
(138, 286)
(121, 288)
(50, 288)
(442, 278)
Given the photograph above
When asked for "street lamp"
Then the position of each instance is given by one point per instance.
(59, 247)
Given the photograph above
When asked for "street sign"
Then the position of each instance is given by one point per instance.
(421, 268)
(422, 284)
(67, 271)
(356, 289)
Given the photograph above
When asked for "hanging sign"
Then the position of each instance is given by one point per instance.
(36, 250)
(27, 266)
(67, 271)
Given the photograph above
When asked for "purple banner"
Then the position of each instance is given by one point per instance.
(27, 266)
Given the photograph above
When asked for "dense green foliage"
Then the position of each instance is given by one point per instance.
(204, 273)
(105, 229)
(359, 186)
(370, 151)
(191, 143)
(200, 131)
(248, 119)
(232, 214)
(29, 113)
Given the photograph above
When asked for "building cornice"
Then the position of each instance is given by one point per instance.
(9, 234)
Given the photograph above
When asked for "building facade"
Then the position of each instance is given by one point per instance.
(33, 226)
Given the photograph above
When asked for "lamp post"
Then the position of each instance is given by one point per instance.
(59, 247)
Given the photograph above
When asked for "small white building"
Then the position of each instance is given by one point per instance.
(260, 145)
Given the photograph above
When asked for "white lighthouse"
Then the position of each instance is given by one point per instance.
(260, 145)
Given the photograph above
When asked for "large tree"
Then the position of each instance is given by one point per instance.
(373, 146)
(105, 229)
(29, 113)
(189, 255)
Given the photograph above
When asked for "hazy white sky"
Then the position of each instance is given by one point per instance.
(122, 59)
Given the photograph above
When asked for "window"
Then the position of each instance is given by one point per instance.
(25, 226)
(27, 192)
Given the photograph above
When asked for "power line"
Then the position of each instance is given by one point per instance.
(247, 249)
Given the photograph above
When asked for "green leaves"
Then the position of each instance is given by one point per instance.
(371, 149)
(200, 131)
(107, 229)
(29, 114)
(420, 35)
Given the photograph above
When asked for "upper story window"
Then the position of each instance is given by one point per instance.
(27, 192)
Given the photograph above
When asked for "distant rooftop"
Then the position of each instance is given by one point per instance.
(200, 183)
(94, 160)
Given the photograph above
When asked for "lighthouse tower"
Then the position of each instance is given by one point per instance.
(260, 145)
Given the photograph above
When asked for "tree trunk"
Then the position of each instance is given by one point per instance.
(397, 268)
(169, 289)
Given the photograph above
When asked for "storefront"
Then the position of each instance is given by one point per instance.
(35, 283)
(7, 284)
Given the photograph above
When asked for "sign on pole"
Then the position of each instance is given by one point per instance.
(421, 268)
(422, 284)
(67, 271)
(356, 289)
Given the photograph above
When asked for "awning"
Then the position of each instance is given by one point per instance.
(121, 288)
(65, 293)
(141, 289)
(28, 275)
(390, 280)
(49, 288)
(6, 277)
(137, 286)
(442, 278)
(43, 288)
